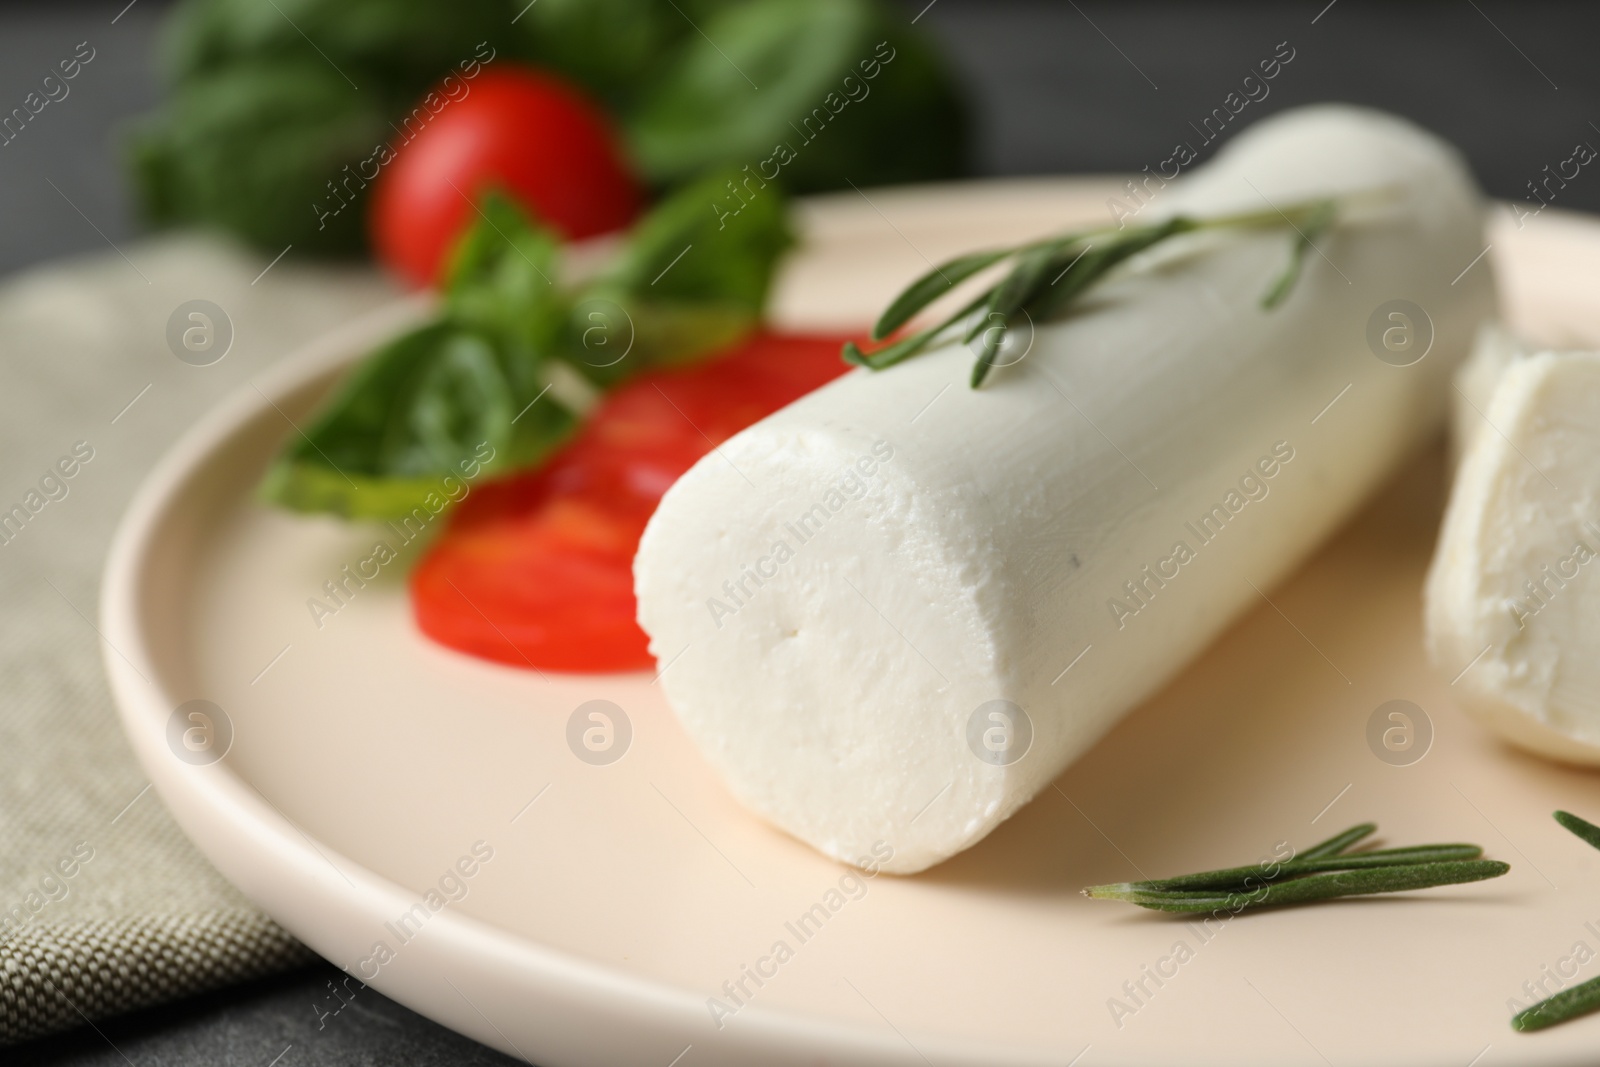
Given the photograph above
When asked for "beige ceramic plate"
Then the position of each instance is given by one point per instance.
(606, 903)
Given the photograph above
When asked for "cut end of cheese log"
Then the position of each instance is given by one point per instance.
(893, 612)
(1512, 603)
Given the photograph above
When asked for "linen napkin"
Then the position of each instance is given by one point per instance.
(104, 905)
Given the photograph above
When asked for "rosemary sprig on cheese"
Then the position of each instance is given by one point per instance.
(1322, 872)
(1583, 998)
(1046, 277)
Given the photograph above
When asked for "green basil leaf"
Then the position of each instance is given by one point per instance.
(501, 235)
(615, 49)
(610, 337)
(814, 93)
(280, 112)
(258, 150)
(704, 243)
(474, 380)
(692, 278)
(500, 277)
(391, 50)
(442, 401)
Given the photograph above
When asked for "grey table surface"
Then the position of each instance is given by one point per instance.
(1057, 87)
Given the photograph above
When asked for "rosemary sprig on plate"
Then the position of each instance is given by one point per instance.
(1047, 276)
(1581, 827)
(1322, 872)
(1583, 998)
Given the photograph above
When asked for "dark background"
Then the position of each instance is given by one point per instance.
(1056, 87)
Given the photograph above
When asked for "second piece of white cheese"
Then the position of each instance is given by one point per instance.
(1512, 605)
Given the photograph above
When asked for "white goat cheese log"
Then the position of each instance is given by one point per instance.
(1512, 603)
(851, 599)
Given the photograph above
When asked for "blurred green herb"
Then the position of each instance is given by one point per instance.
(1583, 998)
(814, 93)
(1046, 277)
(260, 123)
(617, 50)
(470, 388)
(270, 103)
(1323, 872)
(250, 149)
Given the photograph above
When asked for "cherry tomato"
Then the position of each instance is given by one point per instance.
(518, 129)
(537, 570)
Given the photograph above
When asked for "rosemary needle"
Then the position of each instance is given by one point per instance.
(1567, 1004)
(1322, 872)
(1303, 890)
(1339, 842)
(1582, 827)
(1580, 999)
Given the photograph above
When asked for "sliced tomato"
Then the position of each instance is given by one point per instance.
(537, 570)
